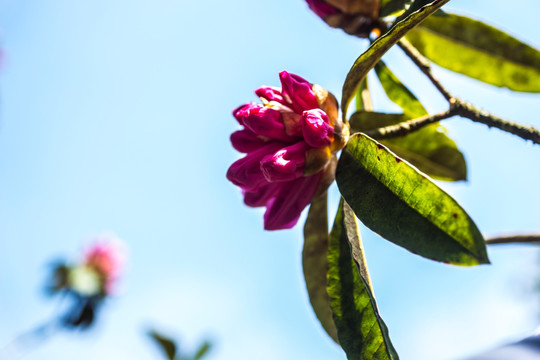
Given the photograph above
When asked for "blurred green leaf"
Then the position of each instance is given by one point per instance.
(203, 350)
(403, 206)
(379, 47)
(167, 345)
(315, 263)
(361, 331)
(429, 149)
(399, 93)
(480, 51)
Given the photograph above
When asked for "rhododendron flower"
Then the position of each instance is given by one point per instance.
(356, 17)
(289, 141)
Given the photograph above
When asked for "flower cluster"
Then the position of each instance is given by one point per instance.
(289, 141)
(356, 17)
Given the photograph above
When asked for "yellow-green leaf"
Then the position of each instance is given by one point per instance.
(480, 51)
(398, 92)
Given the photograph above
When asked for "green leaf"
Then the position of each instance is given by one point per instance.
(415, 5)
(203, 350)
(429, 149)
(362, 95)
(167, 345)
(399, 93)
(480, 51)
(403, 206)
(315, 263)
(362, 121)
(389, 7)
(361, 331)
(379, 47)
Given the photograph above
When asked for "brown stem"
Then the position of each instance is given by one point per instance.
(514, 239)
(464, 109)
(410, 126)
(424, 65)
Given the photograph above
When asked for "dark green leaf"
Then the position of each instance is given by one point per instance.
(429, 149)
(415, 5)
(399, 93)
(167, 345)
(389, 7)
(361, 331)
(203, 350)
(403, 206)
(480, 51)
(379, 47)
(315, 263)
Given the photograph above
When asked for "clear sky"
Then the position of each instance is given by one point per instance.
(116, 115)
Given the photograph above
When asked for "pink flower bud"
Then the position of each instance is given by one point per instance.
(298, 92)
(289, 142)
(263, 121)
(246, 140)
(286, 164)
(317, 132)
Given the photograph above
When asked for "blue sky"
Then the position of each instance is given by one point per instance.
(115, 116)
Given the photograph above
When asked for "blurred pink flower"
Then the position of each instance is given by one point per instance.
(106, 256)
(289, 140)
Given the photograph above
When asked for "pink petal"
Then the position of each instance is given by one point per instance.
(285, 164)
(270, 93)
(283, 210)
(261, 196)
(315, 128)
(264, 121)
(246, 141)
(246, 172)
(242, 109)
(298, 90)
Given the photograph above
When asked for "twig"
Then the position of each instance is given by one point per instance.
(424, 65)
(514, 239)
(458, 106)
(410, 126)
(464, 109)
